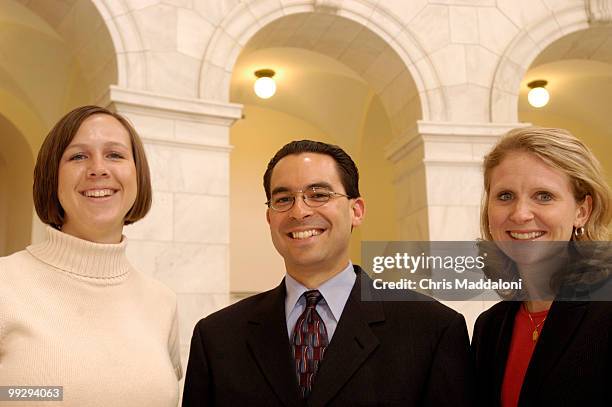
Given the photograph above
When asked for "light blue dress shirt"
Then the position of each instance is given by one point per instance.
(335, 292)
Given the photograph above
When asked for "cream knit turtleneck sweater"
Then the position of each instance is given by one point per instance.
(75, 314)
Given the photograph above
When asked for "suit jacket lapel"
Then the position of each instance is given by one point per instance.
(269, 343)
(352, 343)
(561, 323)
(502, 347)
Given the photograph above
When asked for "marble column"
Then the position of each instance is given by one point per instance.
(438, 179)
(184, 240)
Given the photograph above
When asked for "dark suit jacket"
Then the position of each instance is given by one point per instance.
(382, 353)
(570, 366)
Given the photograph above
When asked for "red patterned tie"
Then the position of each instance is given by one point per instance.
(309, 341)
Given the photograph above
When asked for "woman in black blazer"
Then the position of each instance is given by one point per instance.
(546, 202)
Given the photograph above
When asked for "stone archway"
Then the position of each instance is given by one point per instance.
(529, 43)
(246, 19)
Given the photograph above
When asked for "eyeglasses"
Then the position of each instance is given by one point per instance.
(313, 197)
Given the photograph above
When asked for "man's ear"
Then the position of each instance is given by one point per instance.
(268, 215)
(358, 211)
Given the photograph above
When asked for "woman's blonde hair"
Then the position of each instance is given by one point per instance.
(564, 152)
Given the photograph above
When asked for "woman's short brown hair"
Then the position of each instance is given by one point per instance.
(46, 172)
(564, 152)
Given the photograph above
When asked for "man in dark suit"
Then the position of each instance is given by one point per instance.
(311, 341)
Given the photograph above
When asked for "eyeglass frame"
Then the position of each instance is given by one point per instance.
(332, 194)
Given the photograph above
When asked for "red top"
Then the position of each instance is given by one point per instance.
(521, 349)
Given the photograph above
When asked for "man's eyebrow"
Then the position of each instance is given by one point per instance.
(321, 184)
(325, 185)
(279, 190)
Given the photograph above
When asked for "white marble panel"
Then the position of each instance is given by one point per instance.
(465, 2)
(453, 222)
(200, 171)
(221, 45)
(523, 12)
(158, 26)
(444, 184)
(212, 83)
(214, 11)
(450, 64)
(178, 3)
(193, 267)
(201, 133)
(193, 33)
(504, 107)
(262, 8)
(195, 306)
(480, 65)
(142, 254)
(495, 29)
(201, 218)
(572, 20)
(116, 7)
(129, 33)
(239, 21)
(454, 184)
(172, 73)
(546, 32)
(444, 150)
(509, 77)
(428, 74)
(435, 108)
(468, 103)
(464, 25)
(410, 47)
(479, 150)
(138, 4)
(152, 127)
(432, 28)
(386, 23)
(160, 164)
(136, 70)
(158, 224)
(402, 9)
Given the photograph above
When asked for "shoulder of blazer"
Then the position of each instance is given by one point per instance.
(244, 310)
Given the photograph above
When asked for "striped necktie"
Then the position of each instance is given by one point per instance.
(309, 341)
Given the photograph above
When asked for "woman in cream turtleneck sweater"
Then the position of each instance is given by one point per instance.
(73, 311)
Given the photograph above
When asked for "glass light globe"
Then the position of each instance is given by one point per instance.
(538, 97)
(265, 87)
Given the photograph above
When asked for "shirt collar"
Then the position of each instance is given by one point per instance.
(335, 291)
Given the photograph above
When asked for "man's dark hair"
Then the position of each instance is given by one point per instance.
(349, 175)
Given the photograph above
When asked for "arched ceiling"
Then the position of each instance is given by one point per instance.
(54, 55)
(334, 50)
(594, 44)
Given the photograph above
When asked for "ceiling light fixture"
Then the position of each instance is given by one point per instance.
(264, 86)
(538, 95)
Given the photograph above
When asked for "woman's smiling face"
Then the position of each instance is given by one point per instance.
(97, 183)
(531, 201)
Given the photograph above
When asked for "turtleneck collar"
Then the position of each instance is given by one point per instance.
(81, 257)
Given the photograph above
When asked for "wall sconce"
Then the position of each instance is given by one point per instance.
(538, 95)
(264, 86)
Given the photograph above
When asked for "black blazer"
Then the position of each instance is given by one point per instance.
(570, 366)
(382, 353)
